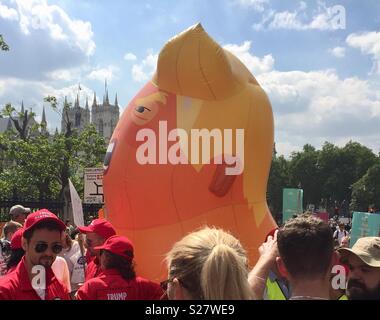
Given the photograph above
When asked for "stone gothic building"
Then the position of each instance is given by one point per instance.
(103, 116)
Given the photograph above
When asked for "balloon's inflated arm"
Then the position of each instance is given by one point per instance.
(221, 182)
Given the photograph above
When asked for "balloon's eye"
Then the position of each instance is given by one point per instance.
(141, 109)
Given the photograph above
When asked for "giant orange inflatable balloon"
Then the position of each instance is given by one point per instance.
(193, 147)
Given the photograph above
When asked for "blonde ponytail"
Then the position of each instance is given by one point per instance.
(211, 264)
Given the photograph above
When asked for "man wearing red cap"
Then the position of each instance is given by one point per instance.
(118, 280)
(33, 278)
(96, 234)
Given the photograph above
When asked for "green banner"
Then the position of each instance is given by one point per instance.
(364, 224)
(292, 200)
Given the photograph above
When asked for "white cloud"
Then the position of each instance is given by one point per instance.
(325, 18)
(315, 106)
(368, 43)
(38, 15)
(253, 63)
(72, 74)
(338, 52)
(129, 56)
(8, 13)
(43, 39)
(103, 73)
(258, 5)
(318, 106)
(141, 72)
(286, 148)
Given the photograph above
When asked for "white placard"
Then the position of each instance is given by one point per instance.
(76, 204)
(93, 185)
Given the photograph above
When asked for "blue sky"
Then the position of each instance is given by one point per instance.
(319, 61)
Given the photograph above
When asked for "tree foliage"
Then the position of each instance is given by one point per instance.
(329, 177)
(366, 191)
(38, 166)
(278, 179)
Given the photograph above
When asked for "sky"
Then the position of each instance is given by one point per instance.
(318, 61)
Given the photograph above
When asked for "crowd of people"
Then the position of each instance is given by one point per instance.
(305, 259)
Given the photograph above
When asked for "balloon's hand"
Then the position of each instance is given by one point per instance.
(221, 183)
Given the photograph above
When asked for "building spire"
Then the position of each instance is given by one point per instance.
(65, 103)
(77, 102)
(94, 101)
(22, 106)
(43, 121)
(107, 102)
(87, 103)
(116, 103)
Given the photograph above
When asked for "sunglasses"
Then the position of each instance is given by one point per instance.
(42, 247)
(164, 284)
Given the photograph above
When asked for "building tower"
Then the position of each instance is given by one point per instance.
(105, 116)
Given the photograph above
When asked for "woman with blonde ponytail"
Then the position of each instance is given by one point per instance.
(209, 264)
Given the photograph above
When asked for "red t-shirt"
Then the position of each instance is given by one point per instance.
(110, 285)
(17, 286)
(11, 269)
(93, 269)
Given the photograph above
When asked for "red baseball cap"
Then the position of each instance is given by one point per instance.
(119, 245)
(101, 227)
(40, 216)
(16, 239)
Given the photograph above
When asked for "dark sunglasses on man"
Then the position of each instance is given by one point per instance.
(42, 247)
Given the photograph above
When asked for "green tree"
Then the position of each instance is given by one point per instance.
(278, 179)
(366, 191)
(34, 164)
(341, 167)
(328, 168)
(30, 169)
(39, 167)
(304, 172)
(79, 151)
